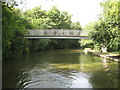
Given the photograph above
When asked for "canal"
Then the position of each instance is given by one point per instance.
(60, 69)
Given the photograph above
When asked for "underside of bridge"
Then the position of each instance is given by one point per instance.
(55, 37)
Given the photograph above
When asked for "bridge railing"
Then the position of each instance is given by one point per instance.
(57, 32)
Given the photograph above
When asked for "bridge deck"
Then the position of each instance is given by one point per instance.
(57, 34)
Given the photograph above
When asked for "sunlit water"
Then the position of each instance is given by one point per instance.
(60, 69)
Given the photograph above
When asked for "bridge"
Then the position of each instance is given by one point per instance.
(57, 34)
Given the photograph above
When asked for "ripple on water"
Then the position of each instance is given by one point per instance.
(45, 79)
(55, 78)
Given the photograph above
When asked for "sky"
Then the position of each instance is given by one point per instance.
(84, 11)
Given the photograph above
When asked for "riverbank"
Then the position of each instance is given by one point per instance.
(108, 55)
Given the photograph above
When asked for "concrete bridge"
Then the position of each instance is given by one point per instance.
(57, 34)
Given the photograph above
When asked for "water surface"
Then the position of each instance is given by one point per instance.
(60, 69)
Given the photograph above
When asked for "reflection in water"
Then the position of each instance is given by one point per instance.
(107, 75)
(60, 69)
(105, 66)
(81, 80)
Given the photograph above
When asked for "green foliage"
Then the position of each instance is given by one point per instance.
(41, 19)
(90, 26)
(51, 19)
(76, 25)
(107, 31)
(16, 22)
(13, 30)
(88, 43)
(39, 44)
(36, 18)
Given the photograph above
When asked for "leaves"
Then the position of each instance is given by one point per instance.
(106, 29)
(14, 29)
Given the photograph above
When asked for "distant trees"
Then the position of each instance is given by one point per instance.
(88, 42)
(51, 19)
(76, 25)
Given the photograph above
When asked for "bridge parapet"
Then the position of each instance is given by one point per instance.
(57, 32)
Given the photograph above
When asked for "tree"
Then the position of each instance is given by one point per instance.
(90, 26)
(13, 30)
(76, 25)
(107, 31)
(88, 42)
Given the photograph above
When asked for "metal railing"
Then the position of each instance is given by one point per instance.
(57, 32)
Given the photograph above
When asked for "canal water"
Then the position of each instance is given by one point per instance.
(60, 69)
